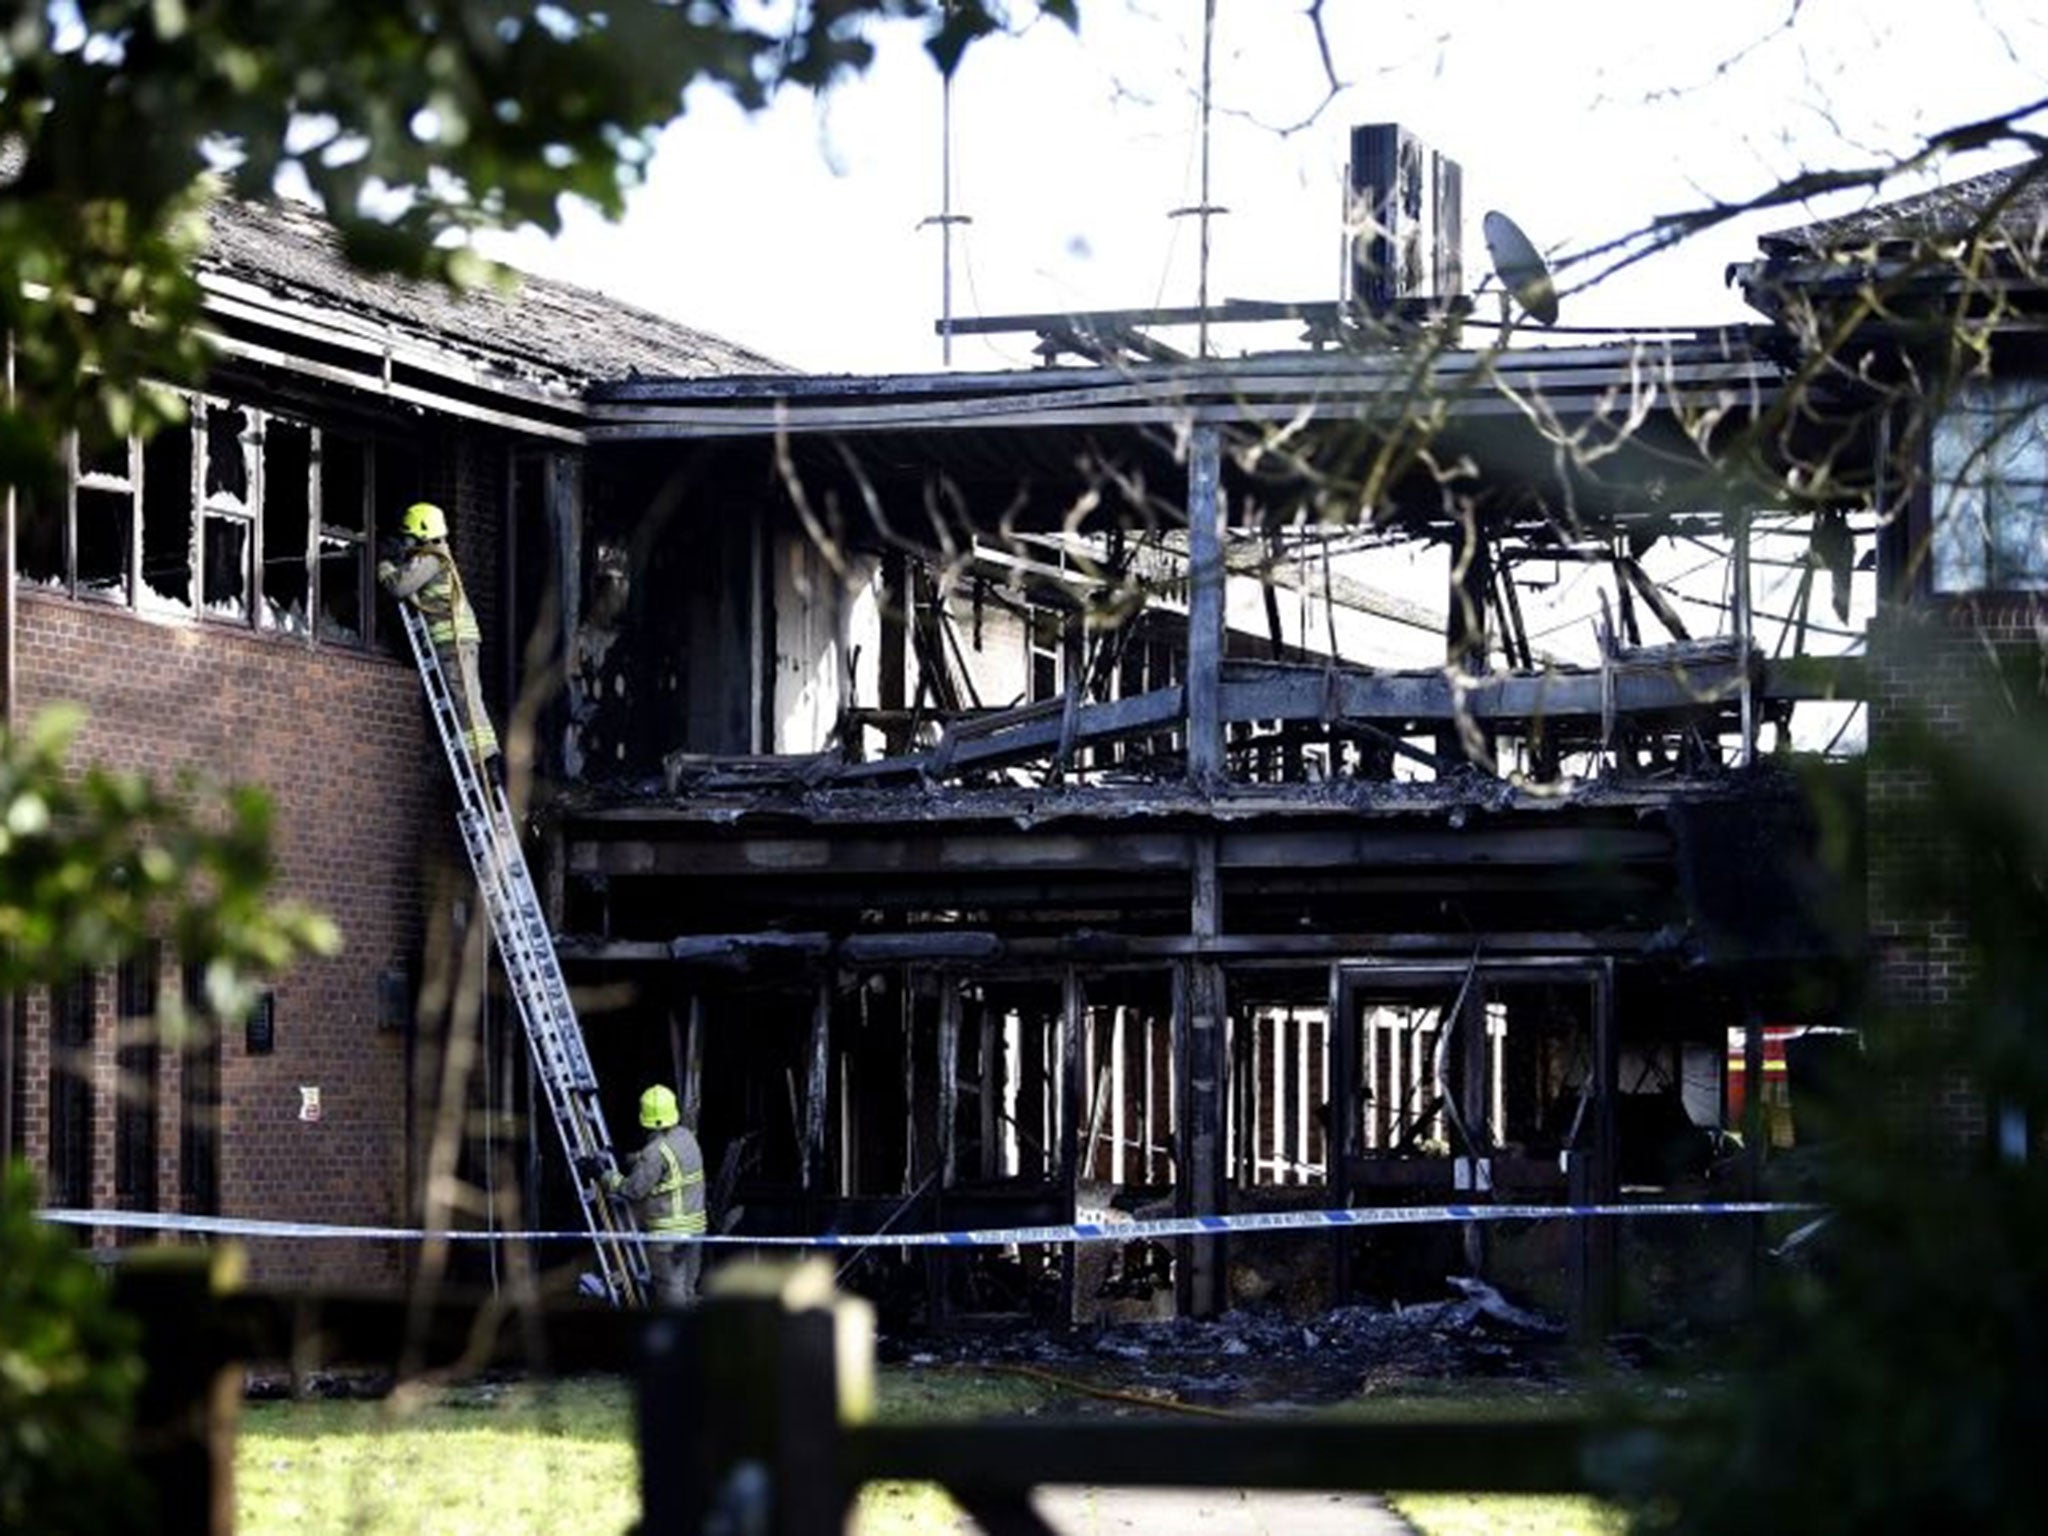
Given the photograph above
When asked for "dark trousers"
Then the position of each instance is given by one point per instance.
(673, 1267)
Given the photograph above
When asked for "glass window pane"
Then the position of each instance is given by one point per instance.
(287, 515)
(341, 589)
(104, 527)
(225, 559)
(167, 521)
(2019, 538)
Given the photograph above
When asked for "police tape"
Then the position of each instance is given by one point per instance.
(993, 1237)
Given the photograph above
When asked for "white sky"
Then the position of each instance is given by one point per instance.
(796, 232)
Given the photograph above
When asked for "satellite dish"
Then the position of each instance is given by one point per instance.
(1522, 272)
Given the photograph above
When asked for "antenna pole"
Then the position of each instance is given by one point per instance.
(1203, 209)
(1202, 280)
(946, 218)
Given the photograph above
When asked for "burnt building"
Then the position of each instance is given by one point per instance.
(1393, 768)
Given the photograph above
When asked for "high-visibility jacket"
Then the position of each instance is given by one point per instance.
(429, 581)
(665, 1182)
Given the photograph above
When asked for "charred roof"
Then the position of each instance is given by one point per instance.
(542, 331)
(2008, 207)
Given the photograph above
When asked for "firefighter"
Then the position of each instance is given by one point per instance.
(427, 579)
(665, 1183)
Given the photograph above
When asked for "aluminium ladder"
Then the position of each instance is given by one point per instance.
(534, 974)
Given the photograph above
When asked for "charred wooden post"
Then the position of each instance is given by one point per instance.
(817, 1080)
(1592, 1172)
(1466, 636)
(1205, 605)
(1348, 1097)
(1073, 1019)
(1198, 1031)
(890, 667)
(1474, 1091)
(1745, 753)
(992, 1090)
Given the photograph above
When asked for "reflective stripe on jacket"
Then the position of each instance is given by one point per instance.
(666, 1183)
(429, 581)
(666, 1205)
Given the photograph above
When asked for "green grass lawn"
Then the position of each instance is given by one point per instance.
(553, 1457)
(558, 1458)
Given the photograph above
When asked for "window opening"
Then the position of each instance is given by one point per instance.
(136, 1062)
(199, 1103)
(39, 540)
(344, 538)
(1990, 469)
(167, 488)
(71, 1092)
(226, 541)
(398, 478)
(103, 502)
(17, 1074)
(288, 454)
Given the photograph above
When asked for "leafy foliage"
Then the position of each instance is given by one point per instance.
(1897, 1381)
(68, 1375)
(412, 121)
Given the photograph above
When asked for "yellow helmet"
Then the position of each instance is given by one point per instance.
(658, 1108)
(424, 520)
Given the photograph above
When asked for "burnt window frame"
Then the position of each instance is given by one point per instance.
(210, 506)
(138, 1080)
(102, 483)
(144, 599)
(362, 541)
(203, 507)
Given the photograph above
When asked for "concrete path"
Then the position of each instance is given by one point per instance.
(1215, 1512)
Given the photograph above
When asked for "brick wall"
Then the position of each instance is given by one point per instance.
(340, 741)
(1932, 664)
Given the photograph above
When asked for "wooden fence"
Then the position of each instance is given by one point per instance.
(754, 1408)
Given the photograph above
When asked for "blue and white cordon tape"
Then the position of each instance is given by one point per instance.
(997, 1237)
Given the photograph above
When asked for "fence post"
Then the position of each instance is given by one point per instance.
(184, 1436)
(742, 1400)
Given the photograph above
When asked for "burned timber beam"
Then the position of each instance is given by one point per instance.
(971, 947)
(1327, 844)
(1666, 680)
(1205, 605)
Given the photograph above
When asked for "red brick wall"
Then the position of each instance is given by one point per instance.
(340, 741)
(1931, 663)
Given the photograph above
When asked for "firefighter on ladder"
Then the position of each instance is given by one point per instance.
(664, 1181)
(426, 578)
